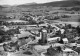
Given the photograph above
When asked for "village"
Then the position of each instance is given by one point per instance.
(40, 40)
(49, 29)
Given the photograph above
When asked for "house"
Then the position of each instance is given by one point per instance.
(69, 52)
(14, 38)
(24, 34)
(65, 40)
(4, 28)
(57, 45)
(62, 31)
(53, 39)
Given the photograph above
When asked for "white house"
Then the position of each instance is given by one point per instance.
(53, 39)
(4, 28)
(65, 40)
(62, 31)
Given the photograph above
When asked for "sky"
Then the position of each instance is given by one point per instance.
(18, 2)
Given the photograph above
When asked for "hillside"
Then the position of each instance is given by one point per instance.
(1, 7)
(51, 8)
(55, 4)
(1, 10)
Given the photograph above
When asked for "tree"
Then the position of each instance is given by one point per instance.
(2, 32)
(75, 8)
(52, 51)
(56, 17)
(12, 31)
(69, 26)
(78, 29)
(65, 16)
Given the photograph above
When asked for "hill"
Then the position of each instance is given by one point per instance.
(1, 7)
(55, 4)
(50, 8)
